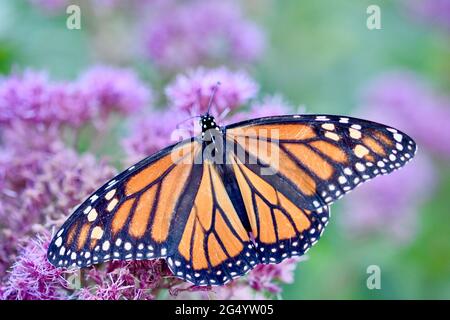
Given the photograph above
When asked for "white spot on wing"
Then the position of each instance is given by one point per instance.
(105, 245)
(110, 194)
(112, 204)
(60, 232)
(87, 209)
(398, 137)
(92, 215)
(58, 242)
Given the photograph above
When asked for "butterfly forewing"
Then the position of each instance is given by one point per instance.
(320, 157)
(132, 216)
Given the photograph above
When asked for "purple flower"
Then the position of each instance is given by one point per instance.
(201, 32)
(264, 277)
(405, 101)
(32, 277)
(113, 289)
(270, 106)
(261, 283)
(114, 90)
(31, 97)
(192, 92)
(155, 131)
(136, 280)
(237, 291)
(40, 187)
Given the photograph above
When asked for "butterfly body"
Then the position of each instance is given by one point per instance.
(217, 205)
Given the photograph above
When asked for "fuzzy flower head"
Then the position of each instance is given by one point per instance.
(192, 92)
(114, 90)
(48, 184)
(32, 277)
(32, 98)
(189, 95)
(270, 106)
(201, 32)
(133, 280)
(155, 131)
(39, 188)
(267, 277)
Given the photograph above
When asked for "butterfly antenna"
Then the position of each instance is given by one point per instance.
(212, 96)
(185, 120)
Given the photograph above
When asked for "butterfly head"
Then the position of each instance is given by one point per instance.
(208, 122)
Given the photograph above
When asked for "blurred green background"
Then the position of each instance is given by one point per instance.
(319, 54)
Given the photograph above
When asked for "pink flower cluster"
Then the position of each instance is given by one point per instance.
(40, 184)
(192, 92)
(31, 97)
(32, 277)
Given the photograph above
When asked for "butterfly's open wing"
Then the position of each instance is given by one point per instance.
(131, 217)
(171, 206)
(319, 158)
(305, 163)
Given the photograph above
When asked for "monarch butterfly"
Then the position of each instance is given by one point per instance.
(218, 204)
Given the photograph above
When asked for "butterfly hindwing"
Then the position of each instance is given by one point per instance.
(280, 228)
(214, 247)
